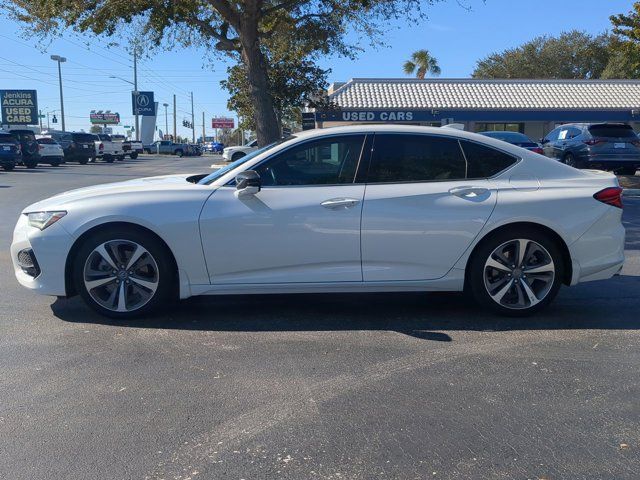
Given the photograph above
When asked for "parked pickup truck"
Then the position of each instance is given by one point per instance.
(131, 148)
(107, 149)
(167, 147)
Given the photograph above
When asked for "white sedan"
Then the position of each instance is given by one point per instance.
(349, 209)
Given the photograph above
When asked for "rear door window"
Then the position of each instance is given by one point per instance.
(613, 131)
(83, 137)
(485, 162)
(415, 158)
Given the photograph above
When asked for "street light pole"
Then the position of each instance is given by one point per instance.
(193, 121)
(135, 88)
(166, 119)
(59, 59)
(175, 131)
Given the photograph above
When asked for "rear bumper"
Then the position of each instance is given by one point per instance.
(9, 161)
(610, 160)
(599, 253)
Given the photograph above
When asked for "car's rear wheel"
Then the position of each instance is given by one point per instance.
(516, 272)
(109, 159)
(123, 273)
(627, 171)
(8, 167)
(83, 161)
(31, 164)
(571, 160)
(134, 155)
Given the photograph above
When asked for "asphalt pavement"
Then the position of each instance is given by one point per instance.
(344, 386)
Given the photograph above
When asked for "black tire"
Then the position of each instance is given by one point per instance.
(31, 164)
(120, 158)
(109, 159)
(134, 155)
(237, 156)
(475, 281)
(571, 160)
(627, 171)
(93, 159)
(83, 161)
(165, 292)
(55, 164)
(8, 168)
(179, 153)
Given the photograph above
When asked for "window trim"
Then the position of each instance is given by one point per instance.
(366, 136)
(459, 141)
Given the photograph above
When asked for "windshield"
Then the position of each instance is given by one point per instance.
(227, 168)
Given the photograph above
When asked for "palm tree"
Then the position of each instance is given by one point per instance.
(422, 63)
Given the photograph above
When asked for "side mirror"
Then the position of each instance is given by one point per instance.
(543, 141)
(248, 183)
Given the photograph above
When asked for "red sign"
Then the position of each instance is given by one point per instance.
(222, 122)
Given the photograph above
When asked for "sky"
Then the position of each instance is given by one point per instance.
(457, 32)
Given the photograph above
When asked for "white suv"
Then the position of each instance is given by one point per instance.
(231, 154)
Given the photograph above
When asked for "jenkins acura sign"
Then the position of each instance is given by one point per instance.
(19, 107)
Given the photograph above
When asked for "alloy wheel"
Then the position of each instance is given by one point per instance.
(519, 274)
(121, 275)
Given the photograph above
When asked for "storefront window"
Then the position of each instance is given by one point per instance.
(499, 127)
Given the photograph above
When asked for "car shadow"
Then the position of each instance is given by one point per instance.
(611, 304)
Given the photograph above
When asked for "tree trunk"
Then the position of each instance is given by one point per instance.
(267, 128)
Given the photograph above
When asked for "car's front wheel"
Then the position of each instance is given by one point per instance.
(516, 272)
(123, 273)
(133, 156)
(237, 156)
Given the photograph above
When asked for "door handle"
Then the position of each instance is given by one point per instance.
(335, 203)
(468, 191)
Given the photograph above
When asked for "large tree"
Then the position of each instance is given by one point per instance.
(625, 45)
(239, 29)
(572, 55)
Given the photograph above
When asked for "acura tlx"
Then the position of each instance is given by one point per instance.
(370, 208)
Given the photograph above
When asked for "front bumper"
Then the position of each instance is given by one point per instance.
(49, 249)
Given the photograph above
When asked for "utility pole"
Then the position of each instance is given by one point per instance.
(175, 131)
(135, 88)
(166, 119)
(203, 129)
(40, 119)
(193, 121)
(48, 127)
(59, 59)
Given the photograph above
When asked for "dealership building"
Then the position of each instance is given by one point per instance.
(532, 107)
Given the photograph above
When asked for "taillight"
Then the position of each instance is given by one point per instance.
(611, 196)
(101, 147)
(594, 141)
(538, 150)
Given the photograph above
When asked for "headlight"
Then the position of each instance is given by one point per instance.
(42, 220)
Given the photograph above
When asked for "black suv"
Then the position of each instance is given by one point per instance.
(28, 145)
(607, 146)
(9, 151)
(77, 146)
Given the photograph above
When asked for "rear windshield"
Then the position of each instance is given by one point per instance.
(616, 131)
(5, 138)
(104, 137)
(83, 137)
(48, 141)
(24, 136)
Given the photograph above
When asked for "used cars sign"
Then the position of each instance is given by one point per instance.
(19, 107)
